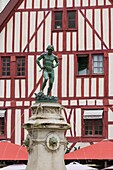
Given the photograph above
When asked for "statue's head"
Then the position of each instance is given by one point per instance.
(50, 47)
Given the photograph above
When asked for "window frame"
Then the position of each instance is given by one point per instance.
(20, 57)
(97, 62)
(90, 68)
(2, 57)
(64, 18)
(93, 120)
(4, 135)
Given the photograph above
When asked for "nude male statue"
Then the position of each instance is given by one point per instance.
(48, 67)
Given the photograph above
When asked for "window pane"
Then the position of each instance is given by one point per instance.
(71, 19)
(21, 66)
(58, 24)
(5, 66)
(58, 20)
(71, 24)
(98, 64)
(83, 63)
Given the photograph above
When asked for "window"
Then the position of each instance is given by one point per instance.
(5, 66)
(84, 66)
(58, 20)
(20, 66)
(64, 20)
(92, 122)
(98, 64)
(2, 122)
(83, 62)
(71, 19)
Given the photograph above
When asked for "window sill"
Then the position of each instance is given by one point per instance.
(91, 75)
(67, 30)
(20, 77)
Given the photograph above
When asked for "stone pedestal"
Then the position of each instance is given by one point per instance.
(45, 140)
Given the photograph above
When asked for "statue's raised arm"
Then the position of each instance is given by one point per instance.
(50, 61)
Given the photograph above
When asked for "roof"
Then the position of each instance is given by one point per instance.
(10, 151)
(100, 151)
(8, 11)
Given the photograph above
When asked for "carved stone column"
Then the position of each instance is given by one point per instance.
(45, 140)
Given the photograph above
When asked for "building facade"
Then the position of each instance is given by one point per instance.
(81, 32)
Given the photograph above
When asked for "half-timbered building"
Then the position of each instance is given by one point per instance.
(81, 32)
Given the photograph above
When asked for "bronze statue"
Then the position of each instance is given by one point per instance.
(48, 67)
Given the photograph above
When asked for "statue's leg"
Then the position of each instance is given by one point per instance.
(45, 80)
(51, 80)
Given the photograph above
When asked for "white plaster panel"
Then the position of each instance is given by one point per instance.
(17, 33)
(93, 87)
(60, 44)
(110, 131)
(18, 103)
(110, 115)
(30, 73)
(85, 2)
(21, 6)
(18, 127)
(8, 103)
(97, 23)
(9, 123)
(110, 74)
(38, 72)
(26, 103)
(69, 3)
(48, 30)
(71, 75)
(110, 102)
(59, 3)
(89, 15)
(64, 102)
(68, 40)
(80, 31)
(8, 88)
(82, 102)
(99, 102)
(44, 3)
(52, 3)
(77, 3)
(101, 87)
(78, 87)
(86, 87)
(92, 2)
(82, 145)
(28, 4)
(73, 102)
(1, 103)
(24, 29)
(17, 89)
(91, 102)
(3, 4)
(2, 87)
(89, 42)
(22, 88)
(64, 75)
(36, 4)
(2, 40)
(40, 32)
(26, 118)
(32, 30)
(78, 122)
(105, 26)
(54, 40)
(97, 43)
(108, 2)
(68, 131)
(111, 27)
(55, 84)
(100, 3)
(74, 40)
(9, 35)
